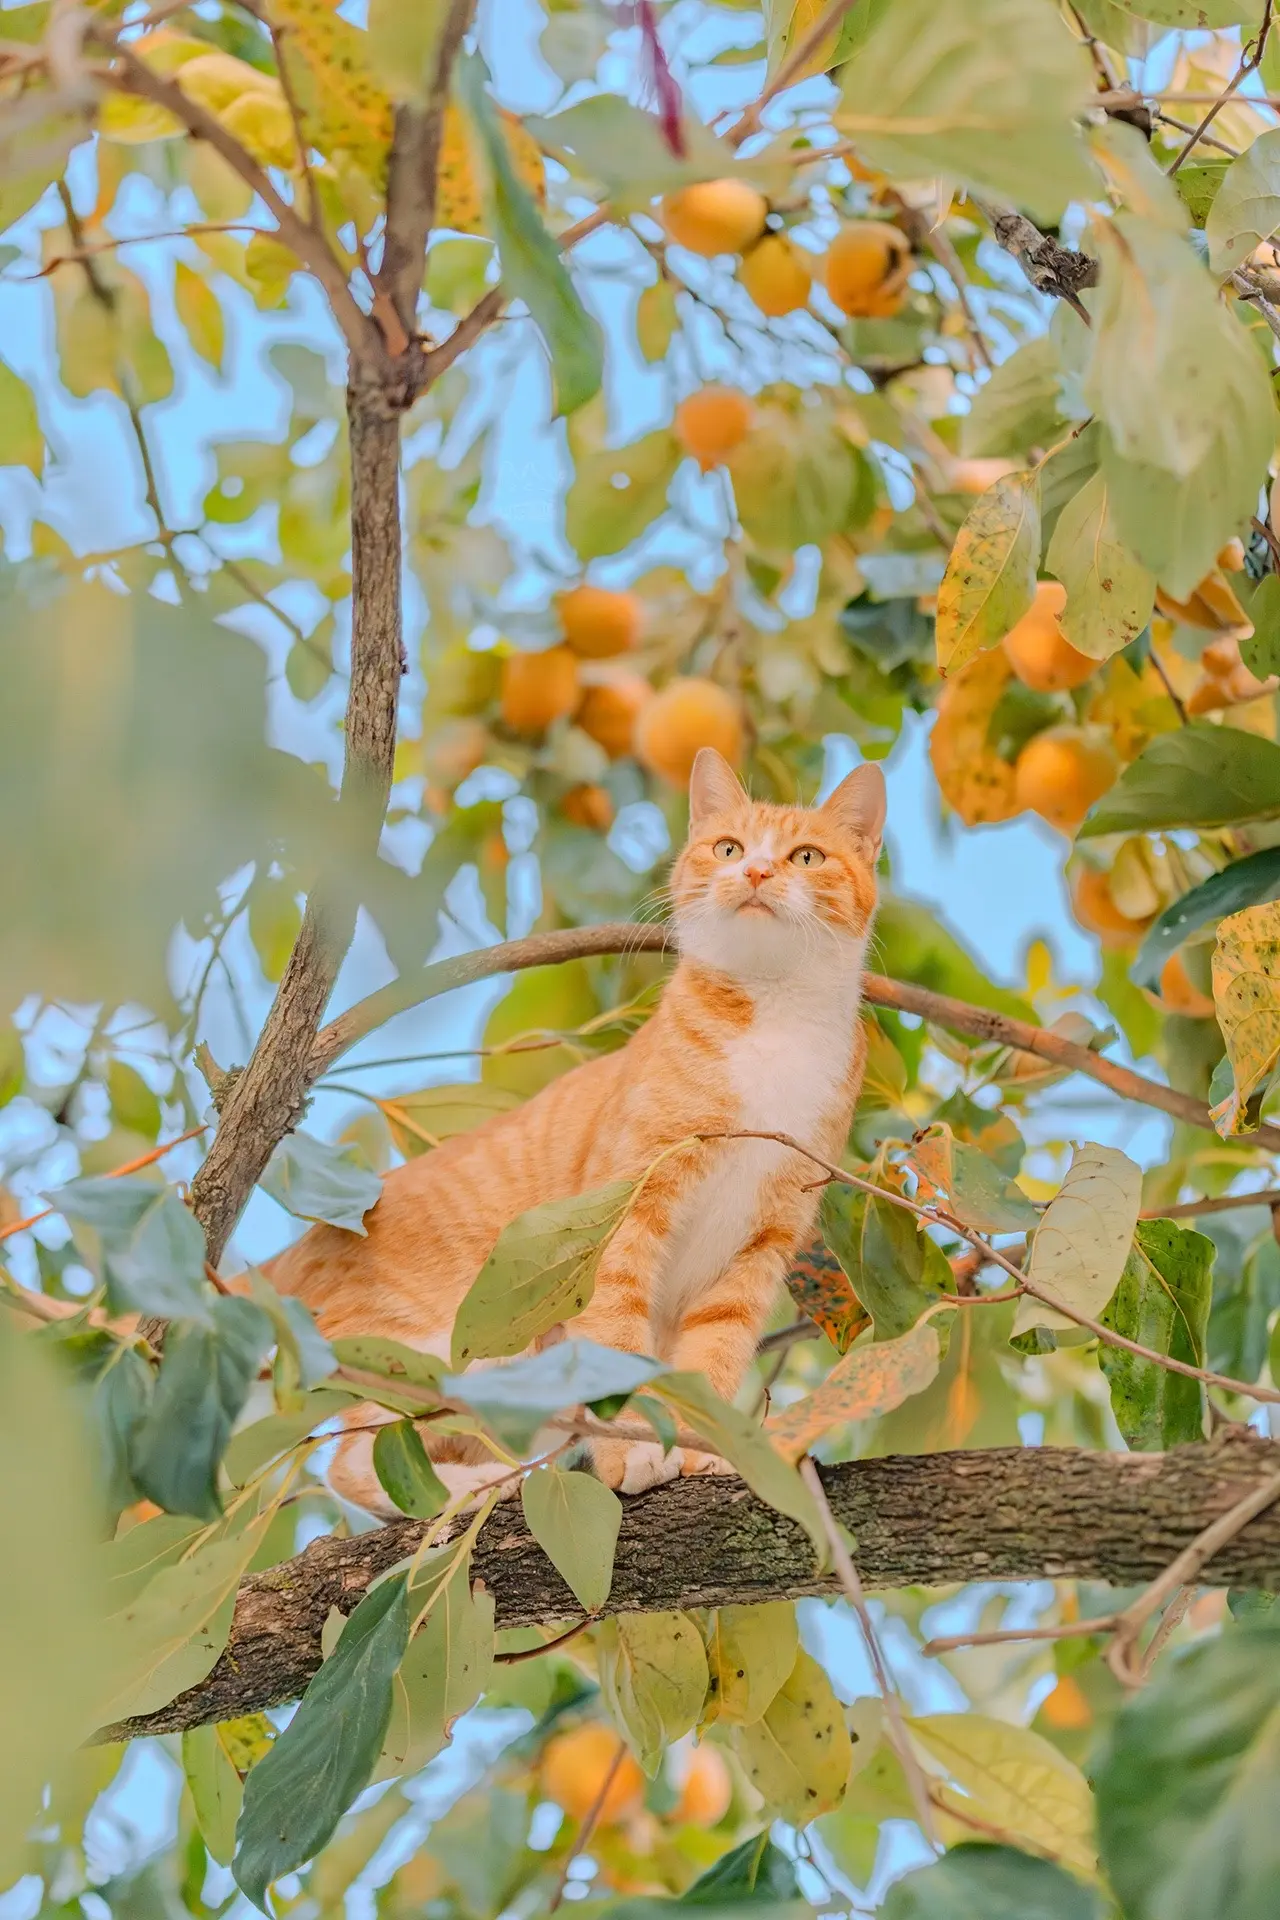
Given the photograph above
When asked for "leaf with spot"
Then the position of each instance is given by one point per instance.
(797, 1755)
(1110, 594)
(750, 1654)
(1079, 1250)
(969, 1184)
(1246, 993)
(1187, 1782)
(895, 1269)
(820, 1288)
(345, 108)
(869, 1381)
(990, 578)
(296, 1795)
(1162, 1302)
(575, 1520)
(653, 1676)
(532, 268)
(542, 1270)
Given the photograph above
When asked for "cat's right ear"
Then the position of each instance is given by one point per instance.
(714, 787)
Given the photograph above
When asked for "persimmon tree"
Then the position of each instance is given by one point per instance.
(642, 376)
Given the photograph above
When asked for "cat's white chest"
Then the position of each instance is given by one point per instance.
(789, 1071)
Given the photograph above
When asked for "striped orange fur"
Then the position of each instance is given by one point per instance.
(757, 1029)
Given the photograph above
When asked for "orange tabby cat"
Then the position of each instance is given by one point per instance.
(757, 1028)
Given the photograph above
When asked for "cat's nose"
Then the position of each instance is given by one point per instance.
(757, 871)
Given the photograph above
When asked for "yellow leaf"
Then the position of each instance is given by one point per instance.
(132, 122)
(990, 579)
(21, 441)
(270, 266)
(344, 105)
(1246, 991)
(1083, 1241)
(974, 779)
(460, 181)
(751, 1652)
(263, 125)
(797, 1755)
(200, 312)
(791, 21)
(222, 194)
(420, 1121)
(1015, 1780)
(868, 1381)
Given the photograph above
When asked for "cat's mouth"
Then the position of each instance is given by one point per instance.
(756, 905)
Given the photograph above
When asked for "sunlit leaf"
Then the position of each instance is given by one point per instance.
(1110, 594)
(21, 441)
(750, 1654)
(420, 1121)
(1080, 1247)
(990, 579)
(343, 104)
(653, 1675)
(317, 1181)
(657, 317)
(1246, 993)
(617, 493)
(869, 1381)
(977, 1190)
(1015, 1780)
(575, 1521)
(1200, 776)
(405, 1472)
(541, 1270)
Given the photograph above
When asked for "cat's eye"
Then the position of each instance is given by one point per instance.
(727, 850)
(807, 857)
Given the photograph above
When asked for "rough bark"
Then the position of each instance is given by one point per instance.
(411, 180)
(998, 1514)
(266, 1099)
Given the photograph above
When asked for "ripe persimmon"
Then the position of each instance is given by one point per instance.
(777, 274)
(715, 216)
(707, 1790)
(1039, 651)
(608, 712)
(453, 751)
(575, 1766)
(866, 268)
(538, 688)
(598, 622)
(588, 806)
(1094, 908)
(1059, 775)
(687, 714)
(1179, 992)
(709, 424)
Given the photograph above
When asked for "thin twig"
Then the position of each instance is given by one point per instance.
(588, 1826)
(1206, 139)
(1251, 58)
(797, 60)
(546, 1646)
(849, 1579)
(1159, 666)
(116, 1173)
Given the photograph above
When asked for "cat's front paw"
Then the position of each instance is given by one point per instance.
(705, 1463)
(632, 1466)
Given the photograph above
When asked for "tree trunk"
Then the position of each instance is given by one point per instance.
(1008, 1513)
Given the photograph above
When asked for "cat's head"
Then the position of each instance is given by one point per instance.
(771, 889)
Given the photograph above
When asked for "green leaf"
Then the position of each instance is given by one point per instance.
(978, 1882)
(400, 1367)
(1018, 407)
(1198, 776)
(1081, 1245)
(532, 268)
(977, 1189)
(653, 1675)
(620, 148)
(797, 1755)
(315, 1181)
(121, 1395)
(1246, 1292)
(216, 1790)
(797, 479)
(987, 93)
(1261, 651)
(750, 1654)
(990, 579)
(756, 1871)
(869, 1381)
(745, 1445)
(405, 1472)
(617, 493)
(133, 1104)
(1163, 1303)
(297, 1793)
(1176, 523)
(515, 1400)
(447, 1664)
(575, 1521)
(542, 1270)
(418, 1122)
(457, 273)
(896, 1270)
(303, 1356)
(1243, 884)
(51, 1601)
(1110, 594)
(151, 1247)
(1187, 1782)
(255, 1446)
(1198, 183)
(21, 441)
(657, 317)
(1246, 207)
(205, 1377)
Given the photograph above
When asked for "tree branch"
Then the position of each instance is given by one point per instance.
(411, 177)
(574, 943)
(1007, 1513)
(1051, 268)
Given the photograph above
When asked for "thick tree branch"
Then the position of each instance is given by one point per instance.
(573, 943)
(997, 1514)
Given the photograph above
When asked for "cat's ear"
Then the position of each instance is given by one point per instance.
(714, 787)
(858, 805)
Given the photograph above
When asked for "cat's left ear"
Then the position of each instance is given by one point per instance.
(858, 805)
(714, 787)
